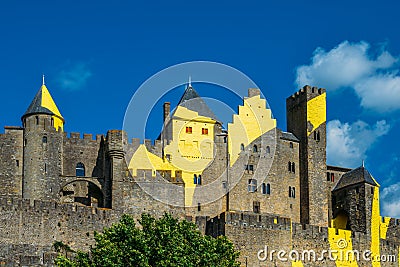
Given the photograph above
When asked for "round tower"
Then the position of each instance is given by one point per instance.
(43, 138)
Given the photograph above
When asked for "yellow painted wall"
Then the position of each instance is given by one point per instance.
(316, 111)
(375, 228)
(384, 226)
(252, 121)
(297, 264)
(190, 153)
(341, 241)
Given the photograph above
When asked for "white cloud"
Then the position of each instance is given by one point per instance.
(348, 143)
(74, 77)
(391, 200)
(350, 65)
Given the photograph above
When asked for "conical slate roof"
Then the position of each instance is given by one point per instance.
(43, 103)
(192, 101)
(356, 176)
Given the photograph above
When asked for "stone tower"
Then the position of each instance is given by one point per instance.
(42, 147)
(355, 201)
(306, 118)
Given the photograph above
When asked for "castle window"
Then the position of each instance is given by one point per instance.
(332, 177)
(37, 120)
(315, 135)
(196, 179)
(249, 168)
(17, 163)
(45, 168)
(266, 189)
(292, 192)
(318, 136)
(80, 169)
(252, 186)
(44, 139)
(372, 190)
(255, 148)
(328, 176)
(189, 130)
(319, 91)
(256, 207)
(291, 144)
(204, 131)
(291, 167)
(198, 207)
(268, 150)
(52, 122)
(242, 147)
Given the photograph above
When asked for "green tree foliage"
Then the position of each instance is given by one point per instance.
(157, 242)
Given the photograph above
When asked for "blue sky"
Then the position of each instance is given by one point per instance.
(96, 53)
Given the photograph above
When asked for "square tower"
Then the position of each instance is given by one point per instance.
(306, 118)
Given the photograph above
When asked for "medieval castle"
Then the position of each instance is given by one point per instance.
(258, 185)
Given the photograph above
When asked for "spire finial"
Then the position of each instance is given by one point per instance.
(43, 83)
(190, 81)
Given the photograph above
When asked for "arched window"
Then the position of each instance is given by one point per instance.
(241, 147)
(318, 136)
(289, 166)
(80, 169)
(268, 189)
(255, 148)
(268, 150)
(199, 180)
(195, 179)
(264, 188)
(44, 139)
(293, 167)
(292, 192)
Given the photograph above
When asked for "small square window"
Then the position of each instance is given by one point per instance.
(189, 130)
(204, 131)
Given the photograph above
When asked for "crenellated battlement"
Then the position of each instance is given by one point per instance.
(76, 137)
(306, 93)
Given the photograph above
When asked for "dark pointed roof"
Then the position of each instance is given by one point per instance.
(191, 100)
(356, 176)
(43, 103)
(36, 106)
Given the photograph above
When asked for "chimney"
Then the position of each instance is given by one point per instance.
(254, 92)
(167, 107)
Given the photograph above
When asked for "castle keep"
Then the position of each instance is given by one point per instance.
(256, 184)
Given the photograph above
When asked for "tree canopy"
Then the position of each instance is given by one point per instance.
(157, 242)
